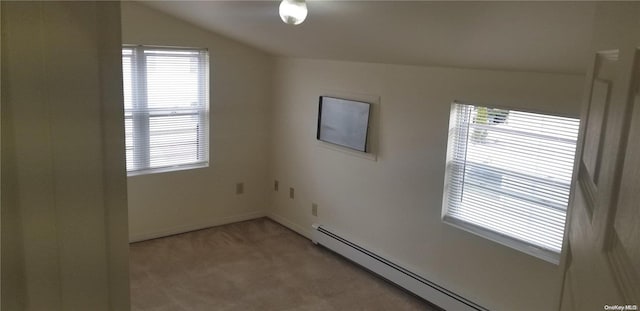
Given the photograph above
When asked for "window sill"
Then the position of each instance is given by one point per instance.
(168, 169)
(543, 254)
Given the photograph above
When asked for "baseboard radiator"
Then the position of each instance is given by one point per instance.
(394, 273)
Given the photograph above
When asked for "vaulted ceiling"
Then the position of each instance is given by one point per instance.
(528, 36)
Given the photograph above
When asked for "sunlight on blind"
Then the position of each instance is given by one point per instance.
(509, 172)
(166, 102)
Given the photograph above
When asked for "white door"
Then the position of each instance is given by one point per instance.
(602, 266)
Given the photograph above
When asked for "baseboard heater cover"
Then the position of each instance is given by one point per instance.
(402, 277)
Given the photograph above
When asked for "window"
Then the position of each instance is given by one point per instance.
(508, 176)
(166, 102)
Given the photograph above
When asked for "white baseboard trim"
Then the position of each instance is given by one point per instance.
(197, 226)
(392, 272)
(290, 224)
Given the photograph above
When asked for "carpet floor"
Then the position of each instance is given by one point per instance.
(254, 265)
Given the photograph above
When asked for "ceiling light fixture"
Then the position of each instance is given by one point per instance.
(293, 12)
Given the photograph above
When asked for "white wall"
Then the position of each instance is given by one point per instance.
(63, 177)
(392, 204)
(165, 203)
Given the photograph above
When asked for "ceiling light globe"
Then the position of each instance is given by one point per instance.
(293, 12)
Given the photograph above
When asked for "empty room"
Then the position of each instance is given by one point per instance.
(320, 155)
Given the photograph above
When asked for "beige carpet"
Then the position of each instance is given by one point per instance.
(254, 265)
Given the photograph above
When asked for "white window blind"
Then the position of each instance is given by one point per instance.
(508, 176)
(166, 102)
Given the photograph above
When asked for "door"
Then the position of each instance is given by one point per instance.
(602, 262)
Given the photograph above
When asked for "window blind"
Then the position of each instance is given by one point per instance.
(166, 101)
(509, 175)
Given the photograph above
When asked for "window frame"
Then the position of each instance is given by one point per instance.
(140, 119)
(476, 229)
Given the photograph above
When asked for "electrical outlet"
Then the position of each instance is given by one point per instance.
(291, 193)
(276, 185)
(239, 188)
(314, 209)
